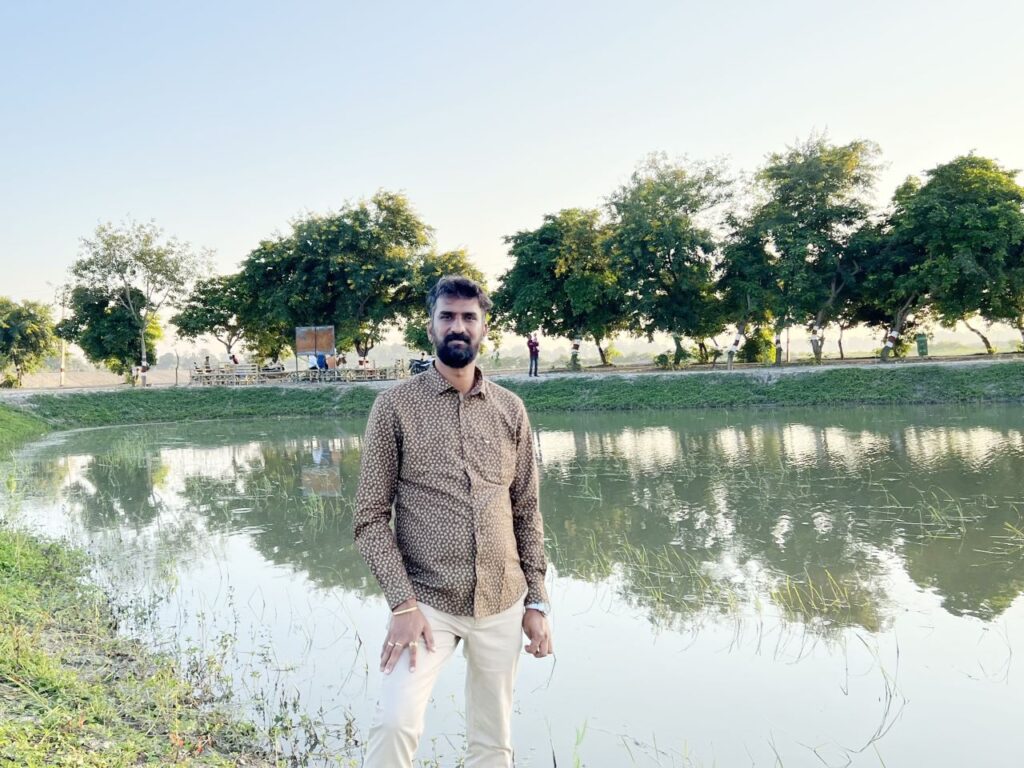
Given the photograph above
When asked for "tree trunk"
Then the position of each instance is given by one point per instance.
(144, 365)
(778, 347)
(715, 353)
(892, 336)
(988, 345)
(735, 347)
(839, 341)
(677, 358)
(363, 347)
(897, 328)
(601, 352)
(574, 355)
(817, 342)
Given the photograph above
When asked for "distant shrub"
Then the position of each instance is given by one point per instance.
(758, 348)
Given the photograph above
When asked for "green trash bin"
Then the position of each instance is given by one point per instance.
(922, 345)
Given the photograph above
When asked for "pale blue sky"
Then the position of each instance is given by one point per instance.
(222, 121)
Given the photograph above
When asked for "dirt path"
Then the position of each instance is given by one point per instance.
(760, 372)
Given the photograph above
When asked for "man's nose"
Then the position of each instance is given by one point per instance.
(458, 326)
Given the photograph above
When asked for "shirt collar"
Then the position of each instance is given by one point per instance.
(439, 383)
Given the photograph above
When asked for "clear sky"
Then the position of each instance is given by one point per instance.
(223, 120)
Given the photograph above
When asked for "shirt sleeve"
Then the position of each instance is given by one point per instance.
(378, 479)
(527, 523)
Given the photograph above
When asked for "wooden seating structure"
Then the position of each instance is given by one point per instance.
(230, 375)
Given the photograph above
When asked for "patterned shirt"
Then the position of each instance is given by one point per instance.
(459, 470)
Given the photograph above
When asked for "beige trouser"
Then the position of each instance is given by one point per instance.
(493, 647)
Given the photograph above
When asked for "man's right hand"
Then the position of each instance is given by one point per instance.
(404, 632)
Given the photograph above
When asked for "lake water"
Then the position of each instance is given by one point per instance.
(796, 588)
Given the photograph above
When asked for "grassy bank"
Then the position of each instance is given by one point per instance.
(881, 385)
(138, 406)
(72, 693)
(17, 426)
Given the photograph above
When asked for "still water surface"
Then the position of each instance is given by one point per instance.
(730, 588)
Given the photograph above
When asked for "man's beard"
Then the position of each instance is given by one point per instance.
(457, 356)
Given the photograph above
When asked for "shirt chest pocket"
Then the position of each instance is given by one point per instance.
(493, 457)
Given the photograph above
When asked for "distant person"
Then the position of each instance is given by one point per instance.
(534, 346)
(234, 358)
(321, 361)
(206, 364)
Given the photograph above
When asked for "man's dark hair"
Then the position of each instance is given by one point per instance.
(458, 287)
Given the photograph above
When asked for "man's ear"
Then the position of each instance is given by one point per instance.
(430, 332)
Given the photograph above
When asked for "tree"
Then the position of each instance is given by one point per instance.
(136, 268)
(562, 281)
(747, 280)
(429, 269)
(815, 197)
(213, 308)
(949, 244)
(665, 254)
(353, 269)
(101, 324)
(26, 336)
(1005, 302)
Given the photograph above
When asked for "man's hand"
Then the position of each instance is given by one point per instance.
(404, 632)
(536, 627)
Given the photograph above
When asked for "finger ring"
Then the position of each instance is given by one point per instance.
(413, 644)
(391, 645)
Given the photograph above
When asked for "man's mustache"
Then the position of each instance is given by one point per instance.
(457, 337)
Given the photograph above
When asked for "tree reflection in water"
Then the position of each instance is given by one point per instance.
(689, 515)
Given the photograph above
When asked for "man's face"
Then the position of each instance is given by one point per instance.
(456, 330)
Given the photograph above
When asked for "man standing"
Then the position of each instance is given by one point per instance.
(534, 346)
(453, 454)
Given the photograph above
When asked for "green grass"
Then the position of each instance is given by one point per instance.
(72, 693)
(97, 409)
(18, 426)
(881, 385)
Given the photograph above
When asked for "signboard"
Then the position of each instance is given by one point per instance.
(314, 340)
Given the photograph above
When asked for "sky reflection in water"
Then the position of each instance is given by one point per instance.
(726, 584)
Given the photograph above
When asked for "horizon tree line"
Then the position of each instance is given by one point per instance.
(681, 248)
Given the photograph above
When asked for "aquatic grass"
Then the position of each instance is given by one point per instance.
(74, 693)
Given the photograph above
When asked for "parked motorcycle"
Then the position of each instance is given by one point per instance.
(419, 366)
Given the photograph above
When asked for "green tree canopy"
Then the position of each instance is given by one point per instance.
(814, 197)
(1005, 302)
(429, 269)
(26, 336)
(101, 324)
(949, 244)
(353, 269)
(137, 268)
(213, 308)
(664, 250)
(562, 281)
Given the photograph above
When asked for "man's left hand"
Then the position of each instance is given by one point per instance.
(536, 627)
